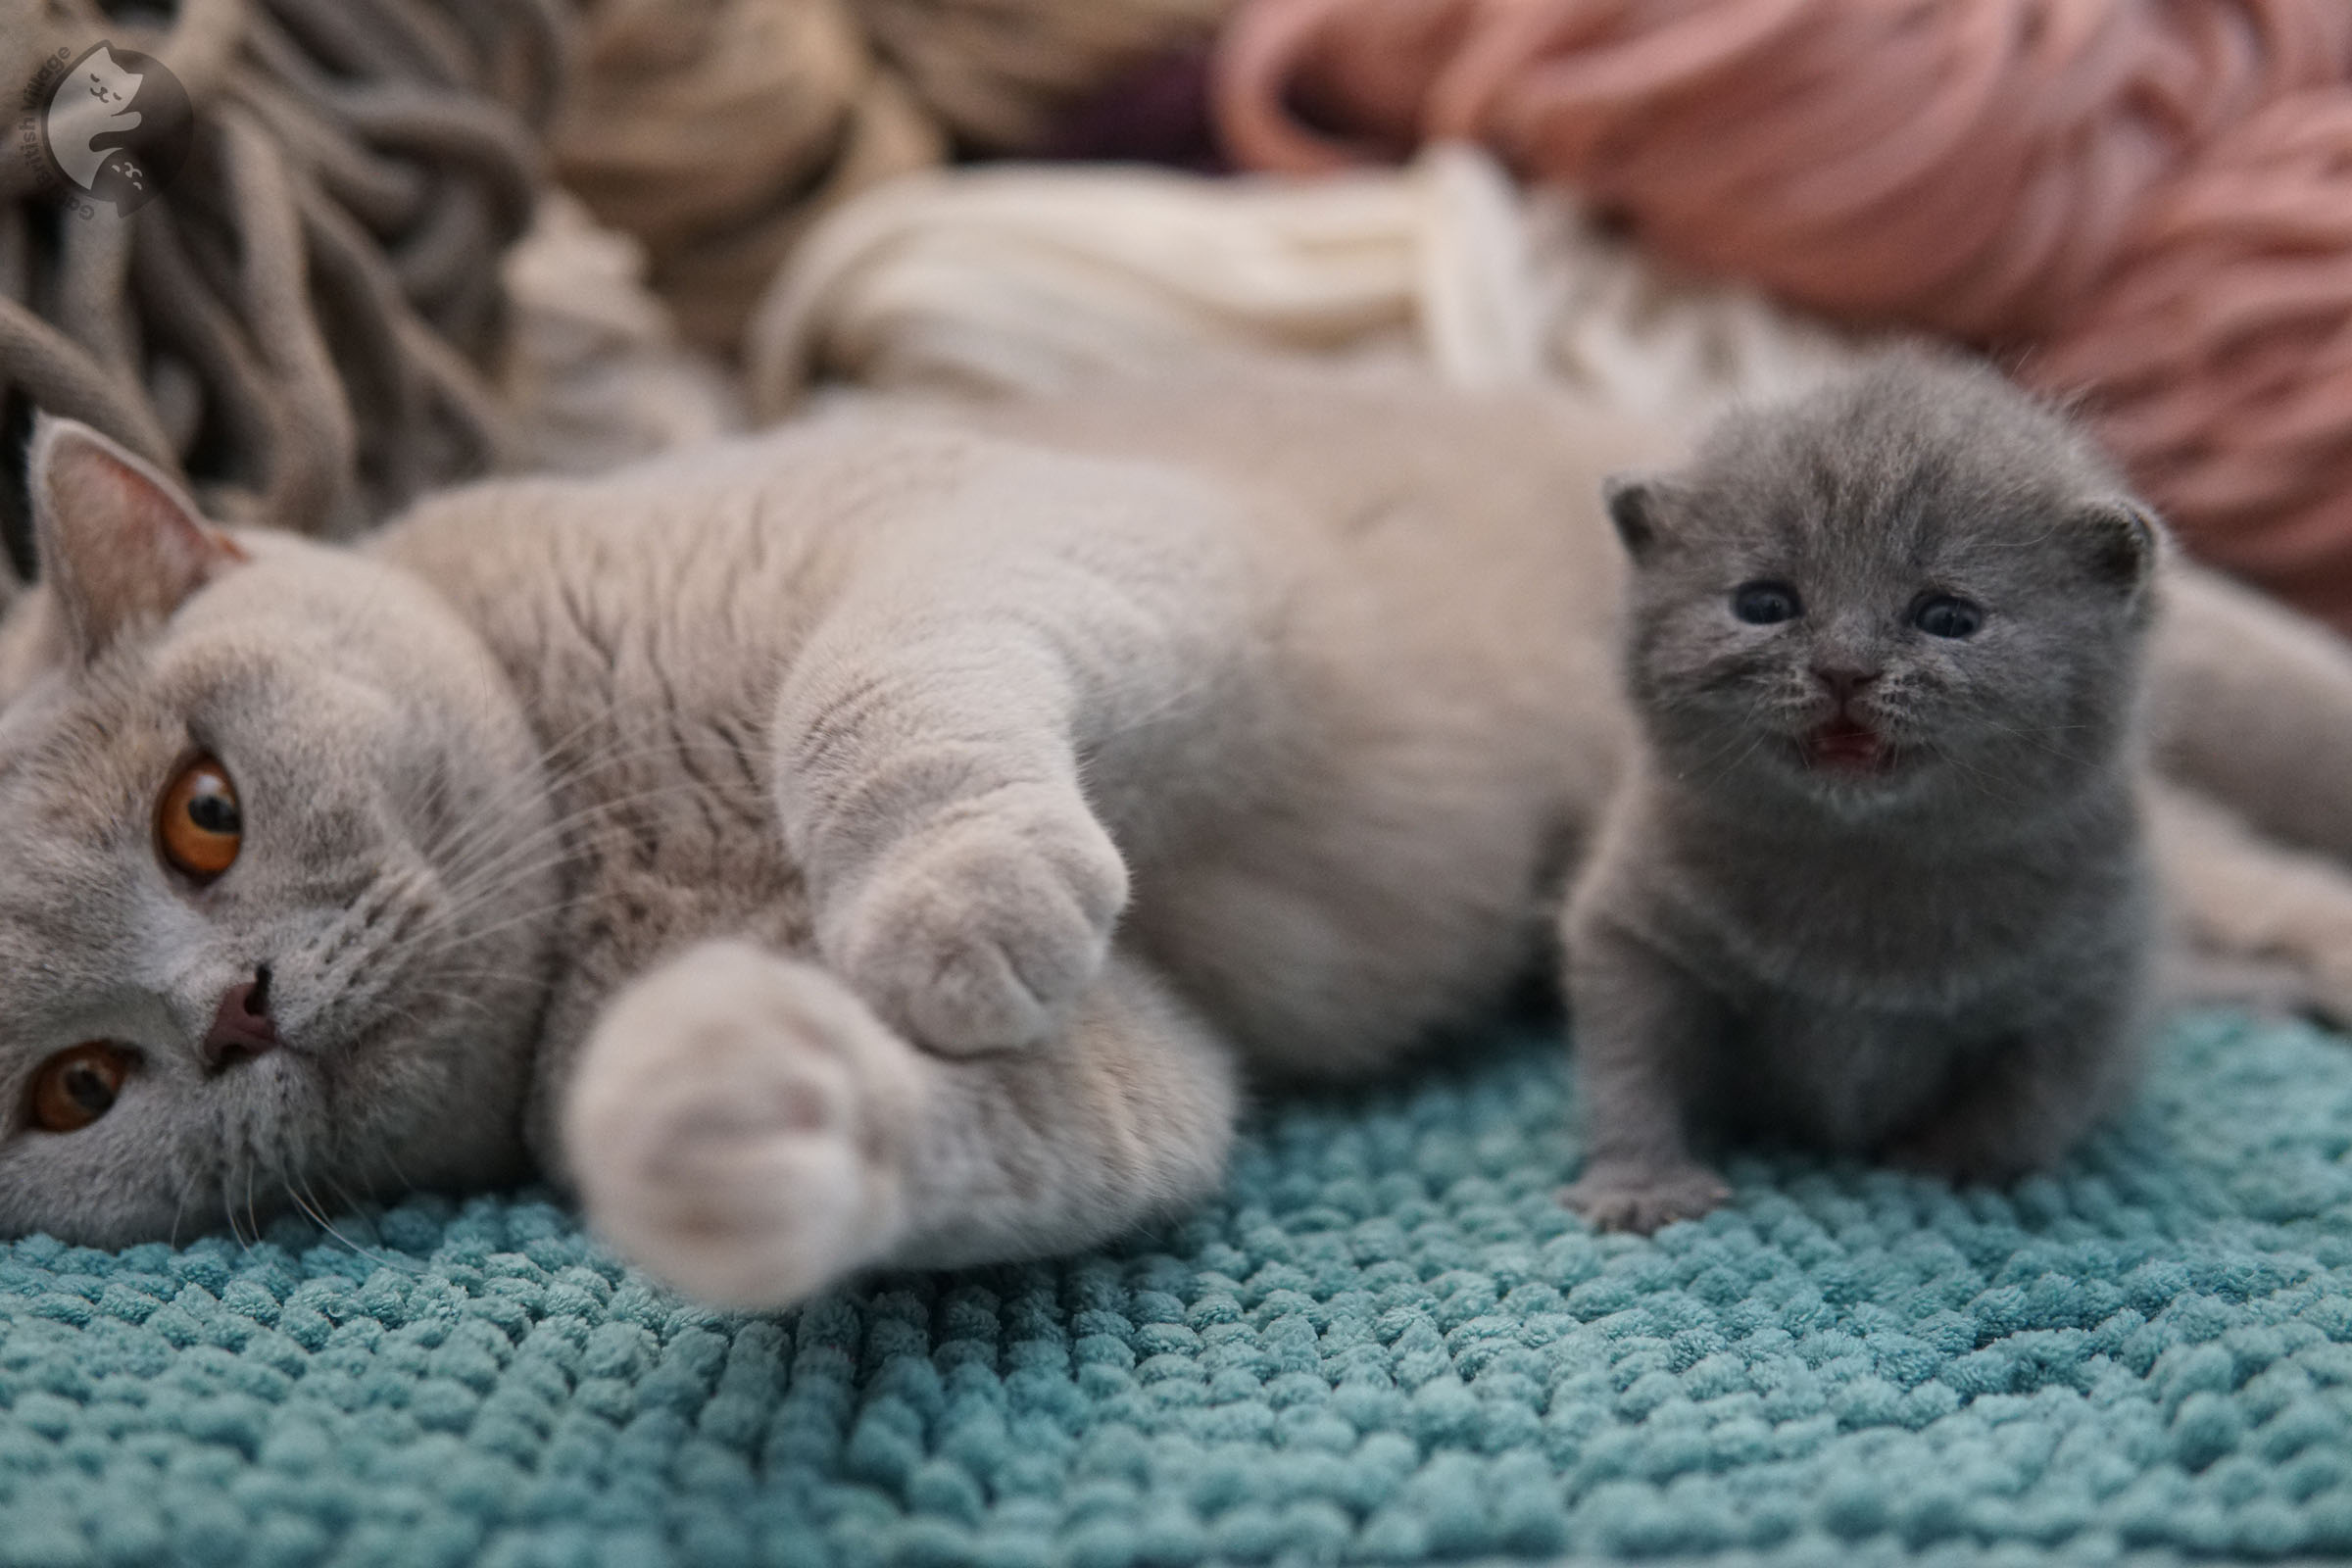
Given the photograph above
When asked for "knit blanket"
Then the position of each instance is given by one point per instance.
(1386, 1343)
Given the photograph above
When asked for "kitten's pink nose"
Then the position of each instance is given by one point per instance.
(1843, 681)
(243, 1027)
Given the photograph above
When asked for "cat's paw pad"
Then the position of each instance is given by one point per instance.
(1640, 1198)
(979, 934)
(733, 1128)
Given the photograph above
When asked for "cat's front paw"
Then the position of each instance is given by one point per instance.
(978, 934)
(736, 1126)
(1643, 1198)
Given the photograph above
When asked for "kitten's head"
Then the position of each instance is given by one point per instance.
(1915, 589)
(275, 871)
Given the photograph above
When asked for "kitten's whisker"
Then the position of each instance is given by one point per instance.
(1705, 769)
(1734, 764)
(2034, 740)
(1989, 785)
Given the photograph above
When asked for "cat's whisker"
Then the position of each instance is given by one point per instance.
(228, 1212)
(563, 828)
(1734, 766)
(2034, 740)
(531, 789)
(253, 1183)
(382, 1148)
(355, 1206)
(317, 1210)
(507, 865)
(527, 795)
(1992, 786)
(1706, 767)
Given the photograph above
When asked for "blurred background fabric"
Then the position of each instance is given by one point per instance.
(305, 323)
(1034, 279)
(717, 130)
(2143, 205)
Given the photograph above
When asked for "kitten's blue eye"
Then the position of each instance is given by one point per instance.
(1765, 603)
(1946, 616)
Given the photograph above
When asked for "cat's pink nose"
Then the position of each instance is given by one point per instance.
(243, 1027)
(1843, 681)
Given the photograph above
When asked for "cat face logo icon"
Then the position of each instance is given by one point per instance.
(118, 126)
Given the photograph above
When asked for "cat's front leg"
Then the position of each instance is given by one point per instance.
(748, 1130)
(975, 930)
(1643, 1028)
(929, 785)
(946, 739)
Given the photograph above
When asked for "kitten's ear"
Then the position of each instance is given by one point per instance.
(117, 541)
(2121, 542)
(1632, 503)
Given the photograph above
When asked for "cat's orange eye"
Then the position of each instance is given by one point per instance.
(197, 824)
(76, 1087)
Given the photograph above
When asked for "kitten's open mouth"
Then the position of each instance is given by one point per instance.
(1843, 745)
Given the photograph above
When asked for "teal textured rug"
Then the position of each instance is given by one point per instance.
(1385, 1344)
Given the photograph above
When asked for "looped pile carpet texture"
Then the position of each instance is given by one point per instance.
(1386, 1344)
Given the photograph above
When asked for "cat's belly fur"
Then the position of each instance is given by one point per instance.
(1380, 872)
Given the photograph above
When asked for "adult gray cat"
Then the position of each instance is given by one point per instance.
(876, 840)
(1876, 877)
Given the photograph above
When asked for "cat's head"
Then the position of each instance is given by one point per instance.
(275, 871)
(1913, 589)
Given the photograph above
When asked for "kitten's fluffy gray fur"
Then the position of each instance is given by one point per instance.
(884, 840)
(1876, 877)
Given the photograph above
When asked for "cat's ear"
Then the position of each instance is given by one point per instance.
(1634, 507)
(2120, 542)
(118, 543)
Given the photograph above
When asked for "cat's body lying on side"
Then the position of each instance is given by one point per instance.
(870, 841)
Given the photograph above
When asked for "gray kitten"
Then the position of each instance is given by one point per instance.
(1876, 877)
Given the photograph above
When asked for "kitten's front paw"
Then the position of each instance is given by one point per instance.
(736, 1127)
(977, 934)
(1642, 1198)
